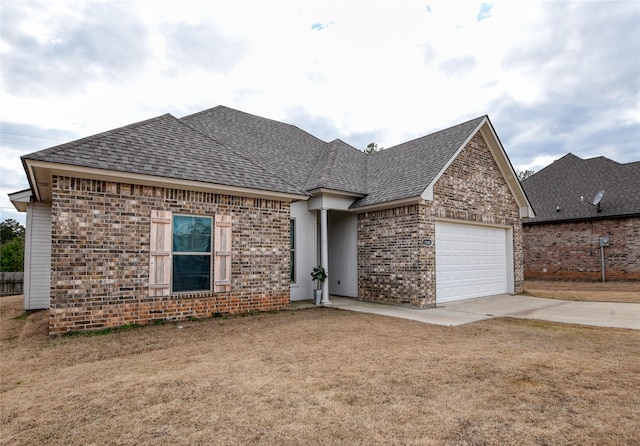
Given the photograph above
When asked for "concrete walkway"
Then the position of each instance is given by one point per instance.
(600, 314)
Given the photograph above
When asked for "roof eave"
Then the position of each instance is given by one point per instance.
(579, 219)
(324, 190)
(21, 199)
(41, 173)
(505, 166)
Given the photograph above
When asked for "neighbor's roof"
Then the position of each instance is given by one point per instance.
(571, 184)
(232, 148)
(165, 147)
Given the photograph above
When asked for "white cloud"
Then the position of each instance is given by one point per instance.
(538, 163)
(554, 77)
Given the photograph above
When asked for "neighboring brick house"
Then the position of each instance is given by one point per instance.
(563, 240)
(223, 212)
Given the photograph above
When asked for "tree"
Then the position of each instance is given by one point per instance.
(12, 255)
(11, 246)
(524, 174)
(10, 229)
(372, 147)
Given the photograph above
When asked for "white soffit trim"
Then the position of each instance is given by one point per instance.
(146, 180)
(21, 199)
(31, 177)
(331, 199)
(508, 173)
(323, 190)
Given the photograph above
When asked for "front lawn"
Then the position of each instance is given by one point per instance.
(319, 376)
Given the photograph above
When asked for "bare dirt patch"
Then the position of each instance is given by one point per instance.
(319, 376)
(628, 292)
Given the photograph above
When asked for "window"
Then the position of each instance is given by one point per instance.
(191, 249)
(181, 255)
(292, 250)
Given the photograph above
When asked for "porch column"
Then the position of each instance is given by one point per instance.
(324, 254)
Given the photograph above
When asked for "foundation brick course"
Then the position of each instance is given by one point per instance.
(571, 250)
(393, 265)
(100, 254)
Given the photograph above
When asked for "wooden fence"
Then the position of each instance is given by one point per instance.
(11, 283)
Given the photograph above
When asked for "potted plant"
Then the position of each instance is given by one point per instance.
(319, 274)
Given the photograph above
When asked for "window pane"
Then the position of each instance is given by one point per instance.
(292, 234)
(292, 267)
(191, 273)
(191, 234)
(292, 250)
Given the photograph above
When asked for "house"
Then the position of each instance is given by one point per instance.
(587, 223)
(223, 212)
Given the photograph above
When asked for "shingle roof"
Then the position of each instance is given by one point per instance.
(309, 163)
(341, 167)
(280, 148)
(571, 183)
(229, 147)
(166, 147)
(407, 169)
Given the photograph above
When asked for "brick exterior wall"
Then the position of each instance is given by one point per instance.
(100, 254)
(393, 265)
(571, 251)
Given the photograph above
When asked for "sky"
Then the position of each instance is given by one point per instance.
(554, 77)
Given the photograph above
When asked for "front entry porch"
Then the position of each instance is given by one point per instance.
(324, 234)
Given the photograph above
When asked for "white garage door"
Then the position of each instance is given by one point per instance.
(471, 261)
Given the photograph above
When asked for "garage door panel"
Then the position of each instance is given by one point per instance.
(471, 261)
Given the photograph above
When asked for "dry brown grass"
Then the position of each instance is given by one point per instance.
(319, 376)
(585, 291)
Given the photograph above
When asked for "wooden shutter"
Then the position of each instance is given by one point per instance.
(160, 254)
(222, 266)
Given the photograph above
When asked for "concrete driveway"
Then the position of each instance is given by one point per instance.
(600, 314)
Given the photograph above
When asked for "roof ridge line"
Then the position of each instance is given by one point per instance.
(332, 155)
(221, 106)
(316, 162)
(241, 155)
